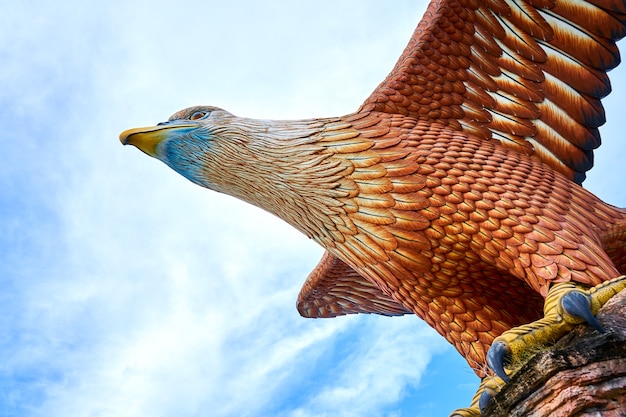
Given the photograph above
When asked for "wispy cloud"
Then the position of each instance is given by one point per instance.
(377, 372)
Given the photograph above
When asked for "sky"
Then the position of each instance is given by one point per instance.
(125, 290)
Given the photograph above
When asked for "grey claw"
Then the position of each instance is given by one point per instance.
(577, 304)
(484, 399)
(495, 359)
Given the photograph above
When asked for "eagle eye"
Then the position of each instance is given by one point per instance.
(198, 115)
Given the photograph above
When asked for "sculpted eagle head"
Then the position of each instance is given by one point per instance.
(187, 138)
(277, 165)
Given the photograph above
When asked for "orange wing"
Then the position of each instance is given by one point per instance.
(334, 289)
(528, 73)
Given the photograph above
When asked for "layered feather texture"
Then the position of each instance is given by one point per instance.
(527, 73)
(466, 233)
(417, 217)
(453, 191)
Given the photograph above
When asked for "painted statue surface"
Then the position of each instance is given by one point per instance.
(454, 192)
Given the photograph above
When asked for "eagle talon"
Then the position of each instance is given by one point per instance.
(485, 397)
(567, 305)
(495, 358)
(487, 390)
(578, 304)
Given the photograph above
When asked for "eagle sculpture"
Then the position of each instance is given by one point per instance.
(453, 192)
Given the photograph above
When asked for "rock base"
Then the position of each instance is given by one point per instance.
(584, 374)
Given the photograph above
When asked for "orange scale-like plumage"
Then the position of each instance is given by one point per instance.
(453, 191)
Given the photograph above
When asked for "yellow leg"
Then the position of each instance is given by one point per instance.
(567, 305)
(488, 387)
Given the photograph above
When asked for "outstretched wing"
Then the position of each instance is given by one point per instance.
(334, 289)
(528, 73)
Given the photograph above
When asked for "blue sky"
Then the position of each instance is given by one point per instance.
(127, 290)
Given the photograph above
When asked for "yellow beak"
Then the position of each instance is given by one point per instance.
(146, 139)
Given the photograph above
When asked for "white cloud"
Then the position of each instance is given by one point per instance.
(376, 375)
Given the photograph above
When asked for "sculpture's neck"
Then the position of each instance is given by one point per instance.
(284, 168)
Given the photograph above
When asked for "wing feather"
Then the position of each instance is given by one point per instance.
(530, 73)
(568, 70)
(581, 44)
(526, 17)
(578, 107)
(334, 289)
